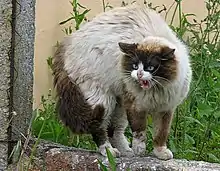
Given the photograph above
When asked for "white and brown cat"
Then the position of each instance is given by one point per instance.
(120, 67)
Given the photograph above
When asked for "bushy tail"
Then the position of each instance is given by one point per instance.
(72, 107)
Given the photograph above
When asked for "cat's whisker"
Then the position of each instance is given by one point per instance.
(129, 78)
(136, 56)
(151, 83)
(155, 87)
(128, 55)
(128, 73)
(164, 79)
(157, 82)
(156, 69)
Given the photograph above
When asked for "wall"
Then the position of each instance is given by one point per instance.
(17, 30)
(48, 31)
(5, 48)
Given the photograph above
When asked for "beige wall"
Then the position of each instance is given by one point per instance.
(48, 31)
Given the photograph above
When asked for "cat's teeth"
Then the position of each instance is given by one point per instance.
(144, 84)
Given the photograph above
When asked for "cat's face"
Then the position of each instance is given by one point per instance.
(148, 65)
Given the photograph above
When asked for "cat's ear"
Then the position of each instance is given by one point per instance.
(127, 48)
(167, 53)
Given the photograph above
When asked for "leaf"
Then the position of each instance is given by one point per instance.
(204, 109)
(50, 62)
(208, 6)
(216, 73)
(189, 14)
(172, 146)
(191, 119)
(191, 151)
(189, 139)
(103, 167)
(214, 64)
(213, 157)
(111, 160)
(217, 114)
(85, 12)
(80, 5)
(65, 21)
(15, 154)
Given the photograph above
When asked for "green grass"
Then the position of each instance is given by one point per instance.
(195, 133)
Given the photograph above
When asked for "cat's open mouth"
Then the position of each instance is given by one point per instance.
(145, 84)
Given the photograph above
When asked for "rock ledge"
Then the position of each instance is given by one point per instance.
(56, 157)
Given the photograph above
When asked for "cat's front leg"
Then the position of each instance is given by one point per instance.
(116, 130)
(137, 121)
(101, 139)
(161, 123)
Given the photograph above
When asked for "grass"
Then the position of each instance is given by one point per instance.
(195, 132)
(196, 129)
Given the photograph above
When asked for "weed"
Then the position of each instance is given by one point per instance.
(196, 129)
(76, 16)
(111, 160)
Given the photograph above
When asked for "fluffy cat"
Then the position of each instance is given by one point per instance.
(117, 69)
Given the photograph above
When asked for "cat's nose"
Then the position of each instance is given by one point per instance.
(139, 74)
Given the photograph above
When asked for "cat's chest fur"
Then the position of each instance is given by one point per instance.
(157, 101)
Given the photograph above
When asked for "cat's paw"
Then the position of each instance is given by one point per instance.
(127, 153)
(114, 151)
(139, 147)
(163, 153)
(120, 142)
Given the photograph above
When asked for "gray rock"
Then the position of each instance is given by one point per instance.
(57, 157)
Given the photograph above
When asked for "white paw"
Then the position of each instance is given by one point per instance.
(127, 152)
(163, 153)
(120, 142)
(139, 147)
(114, 151)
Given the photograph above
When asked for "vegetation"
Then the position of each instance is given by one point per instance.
(195, 133)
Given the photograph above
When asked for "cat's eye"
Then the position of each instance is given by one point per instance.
(150, 68)
(135, 66)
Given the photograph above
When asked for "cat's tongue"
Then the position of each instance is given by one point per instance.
(144, 84)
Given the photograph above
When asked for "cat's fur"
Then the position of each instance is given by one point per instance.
(99, 86)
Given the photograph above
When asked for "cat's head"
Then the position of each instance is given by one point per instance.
(149, 65)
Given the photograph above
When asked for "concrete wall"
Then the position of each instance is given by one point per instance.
(5, 47)
(50, 12)
(24, 36)
(17, 30)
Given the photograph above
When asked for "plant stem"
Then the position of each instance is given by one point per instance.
(180, 15)
(174, 13)
(35, 145)
(103, 5)
(204, 139)
(169, 10)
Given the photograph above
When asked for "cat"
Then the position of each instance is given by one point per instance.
(116, 70)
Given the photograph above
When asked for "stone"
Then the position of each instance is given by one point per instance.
(5, 50)
(54, 157)
(23, 67)
(17, 32)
